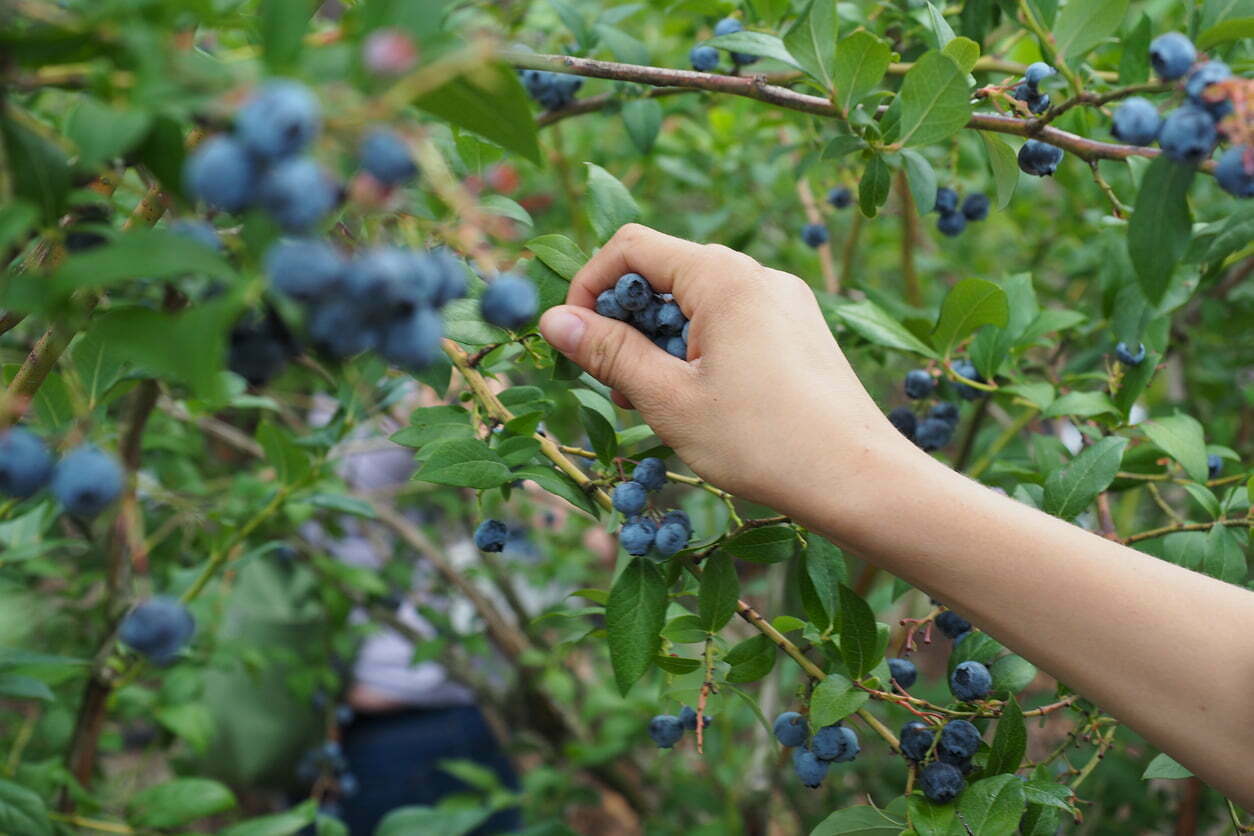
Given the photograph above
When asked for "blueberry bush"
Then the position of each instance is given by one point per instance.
(242, 236)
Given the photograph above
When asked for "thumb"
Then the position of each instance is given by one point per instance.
(613, 352)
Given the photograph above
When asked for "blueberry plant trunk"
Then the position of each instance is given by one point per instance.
(245, 241)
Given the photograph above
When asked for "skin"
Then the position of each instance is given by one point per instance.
(770, 409)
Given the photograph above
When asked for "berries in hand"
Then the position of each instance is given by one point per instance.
(810, 770)
(651, 473)
(280, 120)
(87, 481)
(916, 740)
(305, 269)
(975, 207)
(703, 58)
(670, 320)
(1214, 466)
(25, 463)
(946, 200)
(903, 672)
(491, 535)
(633, 291)
(904, 420)
(1235, 171)
(510, 302)
(951, 624)
(1129, 357)
(630, 498)
(951, 224)
(1171, 55)
(933, 434)
(607, 305)
(222, 174)
(840, 197)
(298, 194)
(945, 411)
(637, 536)
(1188, 134)
(941, 783)
(158, 628)
(1039, 158)
(970, 681)
(791, 729)
(666, 730)
(959, 741)
(815, 235)
(1136, 122)
(387, 158)
(919, 384)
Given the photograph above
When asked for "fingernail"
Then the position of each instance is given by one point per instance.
(563, 330)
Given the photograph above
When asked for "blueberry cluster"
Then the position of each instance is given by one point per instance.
(158, 628)
(327, 764)
(668, 729)
(945, 760)
(641, 534)
(704, 58)
(1029, 91)
(657, 315)
(553, 91)
(813, 755)
(936, 428)
(953, 219)
(85, 481)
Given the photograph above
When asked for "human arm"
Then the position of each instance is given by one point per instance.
(769, 408)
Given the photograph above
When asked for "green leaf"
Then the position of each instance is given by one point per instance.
(1082, 26)
(452, 821)
(1048, 794)
(964, 51)
(878, 326)
(859, 637)
(1134, 63)
(756, 43)
(1161, 224)
(676, 664)
(643, 120)
(834, 699)
(558, 484)
(39, 171)
(750, 660)
(1082, 405)
(610, 204)
(1071, 488)
(874, 186)
(1010, 742)
(823, 572)
(1238, 29)
(179, 802)
(283, 24)
(499, 204)
(922, 180)
(720, 592)
(1225, 555)
(290, 461)
(573, 20)
(463, 463)
(1164, 766)
(1012, 673)
(600, 434)
(841, 146)
(190, 721)
(16, 219)
(942, 32)
(992, 807)
(102, 133)
(859, 820)
(287, 823)
(22, 811)
(624, 47)
(634, 617)
(19, 687)
(861, 61)
(935, 100)
(932, 819)
(970, 304)
(811, 41)
(770, 544)
(1182, 438)
(489, 102)
(1005, 166)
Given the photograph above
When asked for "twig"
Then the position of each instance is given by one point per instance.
(831, 282)
(1171, 529)
(909, 240)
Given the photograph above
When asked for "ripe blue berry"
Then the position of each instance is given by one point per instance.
(1188, 134)
(306, 269)
(675, 347)
(1039, 104)
(1038, 72)
(815, 235)
(645, 320)
(259, 347)
(946, 200)
(201, 232)
(339, 329)
(966, 369)
(389, 283)
(633, 292)
(637, 536)
(387, 158)
(951, 224)
(1171, 55)
(810, 770)
(970, 681)
(448, 274)
(903, 672)
(933, 434)
(945, 411)
(904, 420)
(630, 498)
(1209, 73)
(791, 729)
(552, 90)
(919, 384)
(1039, 158)
(916, 740)
(671, 539)
(670, 320)
(87, 481)
(1129, 357)
(703, 58)
(959, 740)
(607, 305)
(666, 730)
(688, 716)
(158, 628)
(941, 783)
(1214, 466)
(651, 473)
(951, 624)
(975, 207)
(1235, 171)
(298, 194)
(25, 463)
(828, 744)
(511, 301)
(280, 120)
(491, 535)
(840, 197)
(677, 517)
(727, 25)
(221, 173)
(684, 333)
(1136, 122)
(413, 342)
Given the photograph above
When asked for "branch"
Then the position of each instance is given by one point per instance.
(1171, 529)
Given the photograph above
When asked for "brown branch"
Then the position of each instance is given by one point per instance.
(1171, 529)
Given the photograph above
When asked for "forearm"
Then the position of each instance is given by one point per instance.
(1129, 631)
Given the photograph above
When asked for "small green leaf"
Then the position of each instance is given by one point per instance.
(1082, 26)
(22, 811)
(770, 544)
(1071, 488)
(756, 43)
(290, 461)
(1164, 766)
(859, 636)
(720, 592)
(874, 186)
(558, 484)
(970, 304)
(1182, 438)
(1005, 166)
(1012, 673)
(993, 805)
(489, 102)
(824, 572)
(922, 180)
(634, 618)
(451, 821)
(600, 434)
(643, 120)
(935, 100)
(964, 51)
(19, 687)
(751, 659)
(841, 146)
(942, 32)
(1238, 29)
(811, 41)
(877, 325)
(1134, 63)
(859, 820)
(610, 204)
(38, 170)
(1010, 742)
(463, 463)
(102, 132)
(834, 699)
(1082, 405)
(861, 61)
(932, 819)
(179, 802)
(1158, 233)
(283, 24)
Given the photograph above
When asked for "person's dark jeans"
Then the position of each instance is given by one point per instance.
(396, 757)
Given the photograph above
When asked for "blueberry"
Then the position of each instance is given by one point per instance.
(1207, 74)
(946, 200)
(966, 369)
(959, 740)
(387, 158)
(1037, 72)
(671, 539)
(1214, 466)
(904, 420)
(1235, 171)
(280, 120)
(633, 292)
(903, 672)
(221, 173)
(87, 481)
(727, 26)
(306, 269)
(554, 91)
(970, 681)
(389, 283)
(840, 197)
(1136, 122)
(683, 335)
(975, 207)
(688, 716)
(945, 411)
(670, 320)
(666, 730)
(490, 536)
(201, 232)
(1171, 55)
(951, 224)
(703, 58)
(158, 629)
(1039, 158)
(607, 305)
(810, 770)
(651, 473)
(852, 747)
(448, 273)
(348, 785)
(630, 498)
(339, 329)
(1039, 104)
(1188, 134)
(791, 729)
(815, 235)
(676, 347)
(511, 301)
(677, 517)
(259, 347)
(941, 782)
(919, 384)
(645, 320)
(413, 342)
(637, 536)
(298, 194)
(742, 58)
(933, 434)
(951, 624)
(835, 743)
(344, 715)
(916, 740)
(1129, 357)
(25, 463)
